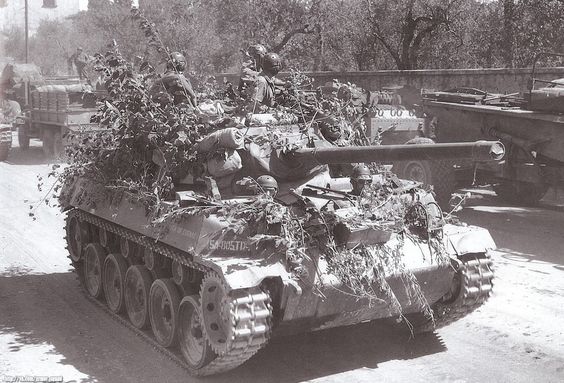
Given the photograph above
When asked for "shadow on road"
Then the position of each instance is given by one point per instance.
(32, 156)
(51, 309)
(536, 231)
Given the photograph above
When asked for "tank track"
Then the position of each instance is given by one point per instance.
(243, 307)
(476, 275)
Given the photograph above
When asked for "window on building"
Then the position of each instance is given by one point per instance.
(3, 3)
(49, 3)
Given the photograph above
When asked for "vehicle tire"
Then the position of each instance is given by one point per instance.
(520, 193)
(23, 138)
(58, 148)
(48, 139)
(438, 173)
(5, 142)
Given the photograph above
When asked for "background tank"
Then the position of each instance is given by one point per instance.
(530, 125)
(223, 266)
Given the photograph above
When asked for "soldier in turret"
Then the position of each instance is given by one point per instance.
(360, 177)
(264, 90)
(174, 83)
(251, 67)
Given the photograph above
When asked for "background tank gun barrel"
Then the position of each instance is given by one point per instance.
(477, 151)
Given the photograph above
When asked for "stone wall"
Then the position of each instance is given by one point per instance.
(499, 80)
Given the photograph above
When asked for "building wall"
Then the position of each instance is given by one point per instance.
(13, 13)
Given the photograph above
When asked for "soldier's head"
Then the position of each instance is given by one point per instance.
(176, 61)
(272, 64)
(268, 185)
(360, 177)
(257, 53)
(330, 129)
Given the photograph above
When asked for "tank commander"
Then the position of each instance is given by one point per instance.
(265, 85)
(360, 177)
(251, 67)
(173, 83)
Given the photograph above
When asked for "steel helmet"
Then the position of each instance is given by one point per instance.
(257, 51)
(272, 63)
(361, 172)
(268, 184)
(177, 61)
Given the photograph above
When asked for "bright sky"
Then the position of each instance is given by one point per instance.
(83, 4)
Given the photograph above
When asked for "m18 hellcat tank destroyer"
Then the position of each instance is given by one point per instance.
(262, 241)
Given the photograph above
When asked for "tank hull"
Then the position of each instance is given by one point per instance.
(314, 302)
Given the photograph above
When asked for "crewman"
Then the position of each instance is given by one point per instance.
(9, 109)
(251, 67)
(174, 83)
(80, 60)
(268, 185)
(360, 177)
(265, 85)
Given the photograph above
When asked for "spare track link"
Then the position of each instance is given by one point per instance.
(476, 286)
(246, 345)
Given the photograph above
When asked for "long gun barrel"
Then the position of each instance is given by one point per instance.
(477, 151)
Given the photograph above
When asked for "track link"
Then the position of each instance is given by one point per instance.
(252, 330)
(476, 278)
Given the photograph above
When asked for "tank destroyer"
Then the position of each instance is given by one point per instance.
(261, 241)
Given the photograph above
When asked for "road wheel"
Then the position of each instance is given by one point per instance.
(194, 345)
(138, 282)
(115, 268)
(77, 237)
(94, 256)
(520, 193)
(23, 138)
(48, 139)
(163, 311)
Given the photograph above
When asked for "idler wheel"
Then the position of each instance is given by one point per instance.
(94, 255)
(138, 282)
(163, 311)
(216, 313)
(115, 267)
(77, 237)
(193, 342)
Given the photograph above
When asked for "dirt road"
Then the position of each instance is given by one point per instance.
(48, 328)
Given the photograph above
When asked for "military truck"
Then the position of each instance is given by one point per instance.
(530, 125)
(55, 111)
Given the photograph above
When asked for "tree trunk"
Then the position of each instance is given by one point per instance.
(508, 22)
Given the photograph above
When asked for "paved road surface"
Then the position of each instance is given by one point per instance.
(48, 328)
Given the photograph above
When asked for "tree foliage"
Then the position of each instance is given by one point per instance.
(312, 34)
